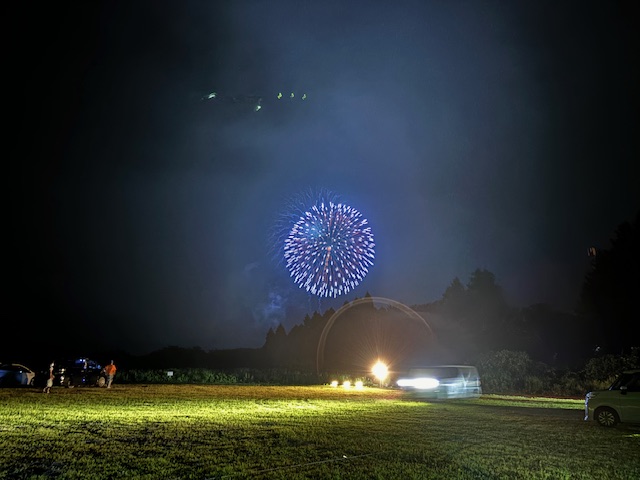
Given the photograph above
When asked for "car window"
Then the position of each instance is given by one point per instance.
(435, 372)
(633, 384)
(623, 379)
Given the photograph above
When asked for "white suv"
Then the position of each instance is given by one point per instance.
(619, 404)
(442, 382)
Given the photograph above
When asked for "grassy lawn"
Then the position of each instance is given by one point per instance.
(235, 432)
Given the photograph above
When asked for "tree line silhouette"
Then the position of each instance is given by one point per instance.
(468, 321)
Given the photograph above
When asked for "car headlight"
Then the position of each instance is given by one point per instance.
(421, 383)
(405, 382)
(426, 383)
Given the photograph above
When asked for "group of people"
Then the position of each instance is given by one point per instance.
(109, 372)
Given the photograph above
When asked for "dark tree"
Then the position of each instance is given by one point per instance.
(275, 346)
(454, 303)
(609, 302)
(551, 336)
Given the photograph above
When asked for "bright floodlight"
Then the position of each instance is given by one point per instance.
(380, 370)
(346, 384)
(334, 383)
(359, 385)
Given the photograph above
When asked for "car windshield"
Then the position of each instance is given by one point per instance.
(435, 372)
(85, 363)
(623, 380)
(11, 368)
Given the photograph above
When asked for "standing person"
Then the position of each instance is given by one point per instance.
(47, 388)
(110, 370)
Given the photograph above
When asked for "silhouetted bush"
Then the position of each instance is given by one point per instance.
(504, 371)
(501, 372)
(273, 376)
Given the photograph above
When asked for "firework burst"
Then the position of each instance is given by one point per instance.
(329, 250)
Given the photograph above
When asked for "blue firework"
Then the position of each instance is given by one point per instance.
(330, 249)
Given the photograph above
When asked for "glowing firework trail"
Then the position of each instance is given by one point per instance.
(256, 100)
(329, 249)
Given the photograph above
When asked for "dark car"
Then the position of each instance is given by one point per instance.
(81, 371)
(15, 374)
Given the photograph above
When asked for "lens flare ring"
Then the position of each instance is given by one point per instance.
(386, 301)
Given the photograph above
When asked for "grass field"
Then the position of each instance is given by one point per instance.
(260, 432)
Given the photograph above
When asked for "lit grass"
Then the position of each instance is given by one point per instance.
(206, 432)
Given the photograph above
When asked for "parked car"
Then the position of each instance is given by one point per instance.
(442, 382)
(620, 403)
(15, 374)
(81, 371)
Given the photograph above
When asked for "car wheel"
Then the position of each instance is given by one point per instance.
(607, 417)
(69, 383)
(101, 382)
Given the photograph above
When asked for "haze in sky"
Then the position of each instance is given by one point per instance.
(493, 135)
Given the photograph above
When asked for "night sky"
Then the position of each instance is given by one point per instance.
(494, 135)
